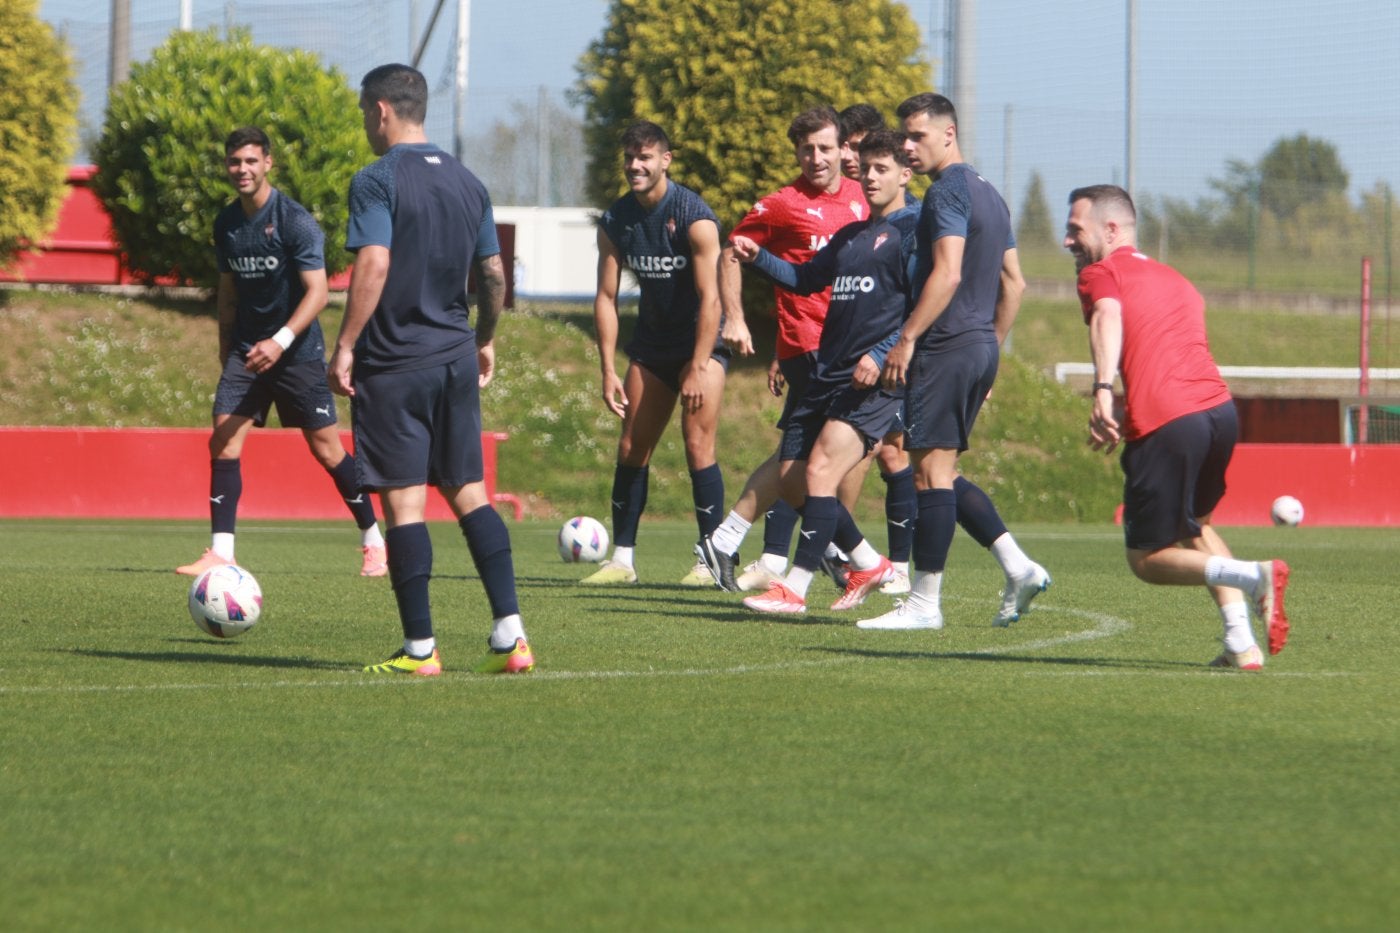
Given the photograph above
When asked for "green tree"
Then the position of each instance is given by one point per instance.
(160, 156)
(1299, 170)
(724, 78)
(1034, 228)
(38, 116)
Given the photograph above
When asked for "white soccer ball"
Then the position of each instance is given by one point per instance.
(225, 601)
(583, 540)
(1287, 511)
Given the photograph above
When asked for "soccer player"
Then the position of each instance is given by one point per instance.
(668, 236)
(792, 223)
(272, 286)
(1178, 423)
(414, 367)
(845, 412)
(947, 356)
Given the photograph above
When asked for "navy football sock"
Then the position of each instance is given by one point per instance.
(933, 531)
(901, 510)
(778, 525)
(820, 515)
(629, 498)
(707, 489)
(347, 483)
(225, 488)
(848, 536)
(410, 569)
(976, 513)
(489, 543)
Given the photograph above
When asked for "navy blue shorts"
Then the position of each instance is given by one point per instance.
(669, 370)
(872, 412)
(420, 426)
(1175, 475)
(797, 373)
(944, 391)
(299, 390)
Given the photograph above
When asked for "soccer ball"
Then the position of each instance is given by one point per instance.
(582, 540)
(225, 601)
(1287, 511)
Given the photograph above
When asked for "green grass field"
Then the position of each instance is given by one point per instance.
(676, 763)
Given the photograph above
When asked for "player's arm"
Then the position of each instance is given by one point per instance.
(704, 255)
(1013, 286)
(265, 353)
(490, 304)
(1105, 349)
(939, 288)
(605, 323)
(735, 329)
(227, 302)
(806, 278)
(367, 277)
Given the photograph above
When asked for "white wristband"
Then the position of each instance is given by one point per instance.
(284, 337)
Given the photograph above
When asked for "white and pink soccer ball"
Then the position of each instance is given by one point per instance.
(583, 540)
(1286, 510)
(225, 601)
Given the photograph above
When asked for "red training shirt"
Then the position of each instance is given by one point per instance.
(793, 223)
(1166, 363)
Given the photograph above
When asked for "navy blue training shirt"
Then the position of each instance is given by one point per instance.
(869, 266)
(655, 245)
(962, 203)
(266, 254)
(435, 217)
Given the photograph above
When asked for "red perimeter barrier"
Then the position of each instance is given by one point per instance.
(164, 473)
(1338, 484)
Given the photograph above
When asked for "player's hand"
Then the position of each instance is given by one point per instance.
(693, 387)
(776, 382)
(263, 356)
(745, 250)
(486, 363)
(867, 374)
(338, 372)
(736, 336)
(1104, 431)
(614, 396)
(897, 365)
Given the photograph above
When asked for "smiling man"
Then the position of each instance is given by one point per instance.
(272, 286)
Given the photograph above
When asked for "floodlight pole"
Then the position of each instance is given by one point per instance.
(459, 121)
(1364, 388)
(186, 15)
(1130, 104)
(119, 44)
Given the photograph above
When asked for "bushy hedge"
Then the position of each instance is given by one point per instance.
(38, 113)
(160, 158)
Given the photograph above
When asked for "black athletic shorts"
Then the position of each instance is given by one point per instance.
(420, 426)
(299, 390)
(944, 391)
(872, 412)
(797, 373)
(1176, 475)
(669, 370)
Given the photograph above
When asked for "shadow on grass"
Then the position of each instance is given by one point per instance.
(203, 655)
(1003, 657)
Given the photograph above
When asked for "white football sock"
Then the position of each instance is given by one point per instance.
(1014, 562)
(925, 593)
(1238, 574)
(776, 563)
(799, 580)
(371, 537)
(731, 533)
(1238, 635)
(505, 630)
(865, 557)
(623, 556)
(223, 545)
(419, 647)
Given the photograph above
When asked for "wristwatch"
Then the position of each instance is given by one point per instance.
(1102, 385)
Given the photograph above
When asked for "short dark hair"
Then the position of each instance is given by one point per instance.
(404, 88)
(645, 133)
(1105, 196)
(810, 121)
(885, 142)
(860, 119)
(935, 105)
(247, 136)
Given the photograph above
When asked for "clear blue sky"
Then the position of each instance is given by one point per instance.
(1216, 80)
